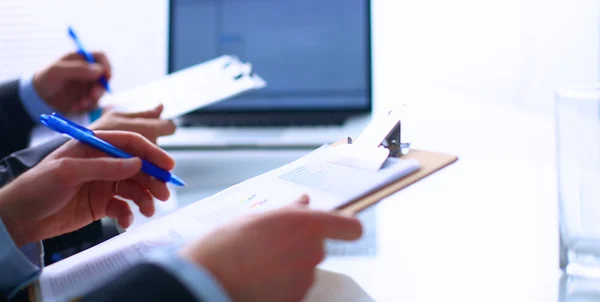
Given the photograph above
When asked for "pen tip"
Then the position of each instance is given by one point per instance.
(177, 181)
(71, 32)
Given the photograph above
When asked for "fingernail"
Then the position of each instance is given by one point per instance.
(303, 199)
(347, 213)
(95, 68)
(128, 163)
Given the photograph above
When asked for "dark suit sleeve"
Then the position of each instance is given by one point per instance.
(15, 123)
(18, 162)
(144, 282)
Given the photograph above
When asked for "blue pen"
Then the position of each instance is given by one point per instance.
(88, 56)
(87, 136)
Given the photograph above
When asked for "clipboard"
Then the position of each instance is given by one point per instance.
(189, 89)
(430, 162)
(383, 140)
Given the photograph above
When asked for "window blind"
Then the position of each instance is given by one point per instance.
(32, 33)
(132, 33)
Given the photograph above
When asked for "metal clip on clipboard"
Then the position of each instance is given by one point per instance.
(381, 139)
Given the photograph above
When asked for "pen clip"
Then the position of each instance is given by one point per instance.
(72, 124)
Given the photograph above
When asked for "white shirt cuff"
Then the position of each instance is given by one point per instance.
(31, 100)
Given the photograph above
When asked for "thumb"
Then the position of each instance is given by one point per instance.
(76, 70)
(104, 168)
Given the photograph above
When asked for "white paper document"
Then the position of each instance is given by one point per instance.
(377, 130)
(76, 275)
(189, 89)
(328, 185)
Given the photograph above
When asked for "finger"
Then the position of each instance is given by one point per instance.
(76, 70)
(82, 170)
(152, 113)
(135, 144)
(120, 210)
(99, 56)
(102, 59)
(95, 93)
(130, 189)
(107, 108)
(156, 127)
(90, 98)
(149, 128)
(84, 105)
(158, 188)
(303, 200)
(337, 226)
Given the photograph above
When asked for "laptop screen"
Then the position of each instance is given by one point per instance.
(314, 54)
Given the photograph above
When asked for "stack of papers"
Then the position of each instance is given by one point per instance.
(329, 186)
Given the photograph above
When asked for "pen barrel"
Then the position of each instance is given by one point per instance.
(155, 171)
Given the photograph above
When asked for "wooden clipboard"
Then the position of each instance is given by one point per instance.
(430, 162)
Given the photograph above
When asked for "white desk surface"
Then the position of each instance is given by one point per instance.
(483, 229)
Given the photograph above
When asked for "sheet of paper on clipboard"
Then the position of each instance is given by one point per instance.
(189, 89)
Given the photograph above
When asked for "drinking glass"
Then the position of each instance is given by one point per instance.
(578, 163)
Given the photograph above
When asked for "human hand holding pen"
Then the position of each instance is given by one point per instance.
(77, 184)
(70, 85)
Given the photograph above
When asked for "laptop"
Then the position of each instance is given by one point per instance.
(315, 56)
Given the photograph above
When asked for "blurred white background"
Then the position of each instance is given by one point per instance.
(513, 52)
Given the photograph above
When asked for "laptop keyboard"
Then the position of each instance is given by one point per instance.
(262, 120)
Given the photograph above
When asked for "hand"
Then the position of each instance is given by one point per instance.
(271, 256)
(75, 185)
(71, 83)
(146, 123)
